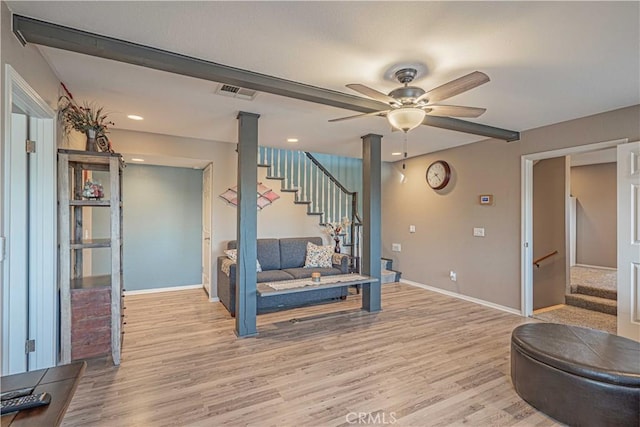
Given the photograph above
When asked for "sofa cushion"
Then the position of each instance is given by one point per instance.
(232, 254)
(293, 251)
(305, 273)
(318, 256)
(268, 253)
(273, 276)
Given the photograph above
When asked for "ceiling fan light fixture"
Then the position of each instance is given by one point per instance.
(406, 119)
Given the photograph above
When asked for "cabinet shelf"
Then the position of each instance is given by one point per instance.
(80, 284)
(91, 282)
(90, 244)
(89, 203)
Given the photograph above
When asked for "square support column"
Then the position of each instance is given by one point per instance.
(247, 225)
(372, 220)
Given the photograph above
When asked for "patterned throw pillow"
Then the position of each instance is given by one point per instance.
(232, 254)
(318, 256)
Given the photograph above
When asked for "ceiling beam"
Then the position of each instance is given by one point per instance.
(30, 30)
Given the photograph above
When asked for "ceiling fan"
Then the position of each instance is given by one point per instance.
(409, 104)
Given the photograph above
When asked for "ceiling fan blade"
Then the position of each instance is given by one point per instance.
(375, 113)
(453, 111)
(455, 87)
(372, 93)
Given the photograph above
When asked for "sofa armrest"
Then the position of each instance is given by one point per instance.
(341, 261)
(227, 286)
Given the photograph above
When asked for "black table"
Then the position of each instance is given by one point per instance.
(60, 382)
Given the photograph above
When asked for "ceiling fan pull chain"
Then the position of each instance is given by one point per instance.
(404, 146)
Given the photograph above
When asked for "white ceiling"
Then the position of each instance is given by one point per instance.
(548, 62)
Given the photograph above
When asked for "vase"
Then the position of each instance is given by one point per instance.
(92, 143)
(337, 248)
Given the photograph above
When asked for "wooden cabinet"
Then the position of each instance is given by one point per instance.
(90, 294)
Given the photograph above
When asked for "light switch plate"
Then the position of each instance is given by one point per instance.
(412, 229)
(396, 247)
(478, 232)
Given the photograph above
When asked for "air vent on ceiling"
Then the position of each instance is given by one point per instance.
(236, 92)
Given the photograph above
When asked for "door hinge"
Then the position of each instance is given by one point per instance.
(30, 146)
(30, 346)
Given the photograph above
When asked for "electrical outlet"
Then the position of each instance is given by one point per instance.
(453, 276)
(396, 247)
(412, 229)
(478, 232)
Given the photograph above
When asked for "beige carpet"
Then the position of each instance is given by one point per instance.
(594, 277)
(570, 315)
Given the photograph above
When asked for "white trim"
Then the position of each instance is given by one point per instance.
(526, 214)
(214, 299)
(157, 290)
(43, 255)
(597, 267)
(463, 297)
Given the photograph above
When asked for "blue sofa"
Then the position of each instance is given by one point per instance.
(281, 259)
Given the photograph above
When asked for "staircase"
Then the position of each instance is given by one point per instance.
(589, 295)
(301, 173)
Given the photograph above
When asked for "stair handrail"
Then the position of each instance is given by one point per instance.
(355, 219)
(542, 258)
(354, 194)
(328, 174)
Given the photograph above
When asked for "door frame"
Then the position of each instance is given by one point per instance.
(213, 292)
(526, 213)
(42, 274)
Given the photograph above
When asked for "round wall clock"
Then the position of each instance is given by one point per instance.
(438, 174)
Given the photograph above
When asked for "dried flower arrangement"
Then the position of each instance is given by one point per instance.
(88, 119)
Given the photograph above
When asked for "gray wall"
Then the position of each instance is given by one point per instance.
(488, 268)
(162, 219)
(594, 187)
(549, 232)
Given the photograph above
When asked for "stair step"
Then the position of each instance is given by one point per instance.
(289, 190)
(595, 292)
(281, 178)
(263, 165)
(302, 202)
(315, 213)
(603, 305)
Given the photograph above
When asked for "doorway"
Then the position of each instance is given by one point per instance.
(567, 256)
(29, 275)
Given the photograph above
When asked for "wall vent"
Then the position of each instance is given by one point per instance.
(236, 92)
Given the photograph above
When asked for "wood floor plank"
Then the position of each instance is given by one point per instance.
(425, 360)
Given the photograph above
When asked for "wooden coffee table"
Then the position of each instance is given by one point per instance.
(60, 382)
(283, 287)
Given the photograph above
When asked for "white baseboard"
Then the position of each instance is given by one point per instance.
(214, 299)
(156, 290)
(463, 297)
(598, 267)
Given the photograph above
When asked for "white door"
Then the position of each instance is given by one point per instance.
(629, 240)
(15, 293)
(207, 178)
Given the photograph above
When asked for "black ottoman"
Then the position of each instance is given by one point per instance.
(579, 376)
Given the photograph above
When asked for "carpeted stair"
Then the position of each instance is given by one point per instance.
(594, 299)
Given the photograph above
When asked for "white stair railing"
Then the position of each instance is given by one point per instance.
(315, 186)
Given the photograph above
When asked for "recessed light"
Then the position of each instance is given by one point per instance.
(134, 117)
(292, 139)
(136, 159)
(397, 153)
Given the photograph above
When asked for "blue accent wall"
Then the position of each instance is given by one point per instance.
(162, 220)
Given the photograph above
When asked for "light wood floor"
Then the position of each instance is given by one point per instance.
(425, 360)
